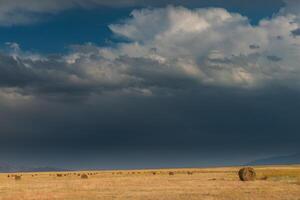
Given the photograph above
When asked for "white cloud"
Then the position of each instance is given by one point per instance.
(168, 48)
(213, 43)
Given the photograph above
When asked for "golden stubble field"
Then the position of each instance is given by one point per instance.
(274, 183)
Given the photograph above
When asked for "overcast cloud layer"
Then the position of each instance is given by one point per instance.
(178, 73)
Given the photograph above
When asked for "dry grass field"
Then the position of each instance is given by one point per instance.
(274, 182)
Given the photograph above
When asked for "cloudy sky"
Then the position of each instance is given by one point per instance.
(131, 84)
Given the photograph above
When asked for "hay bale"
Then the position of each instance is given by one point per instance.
(247, 174)
(264, 178)
(171, 173)
(17, 178)
(84, 176)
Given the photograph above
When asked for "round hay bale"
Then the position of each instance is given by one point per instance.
(84, 176)
(171, 173)
(247, 174)
(264, 178)
(17, 178)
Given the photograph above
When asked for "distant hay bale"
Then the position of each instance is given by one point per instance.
(154, 173)
(17, 178)
(212, 179)
(264, 178)
(59, 175)
(247, 174)
(84, 176)
(171, 173)
(190, 173)
(8, 176)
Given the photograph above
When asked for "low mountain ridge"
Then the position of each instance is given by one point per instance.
(8, 168)
(278, 160)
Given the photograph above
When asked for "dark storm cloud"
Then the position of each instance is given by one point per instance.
(296, 32)
(14, 73)
(274, 58)
(195, 80)
(254, 46)
(52, 75)
(201, 118)
(39, 76)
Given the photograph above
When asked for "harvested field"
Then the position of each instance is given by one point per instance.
(273, 182)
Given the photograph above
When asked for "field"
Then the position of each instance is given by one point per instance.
(274, 182)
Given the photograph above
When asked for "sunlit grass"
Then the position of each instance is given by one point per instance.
(274, 182)
(290, 174)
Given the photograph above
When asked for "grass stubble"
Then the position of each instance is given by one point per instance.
(273, 182)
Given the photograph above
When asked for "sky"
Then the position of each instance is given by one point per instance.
(96, 84)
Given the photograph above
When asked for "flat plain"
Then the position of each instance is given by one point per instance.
(273, 182)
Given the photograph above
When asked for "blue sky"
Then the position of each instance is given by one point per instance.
(54, 33)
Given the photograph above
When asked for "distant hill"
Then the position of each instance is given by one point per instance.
(278, 160)
(7, 168)
(43, 169)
